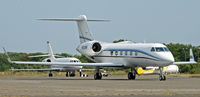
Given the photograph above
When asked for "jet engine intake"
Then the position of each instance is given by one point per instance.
(90, 48)
(96, 47)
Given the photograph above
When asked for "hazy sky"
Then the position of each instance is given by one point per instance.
(163, 21)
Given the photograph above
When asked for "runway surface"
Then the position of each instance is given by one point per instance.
(116, 85)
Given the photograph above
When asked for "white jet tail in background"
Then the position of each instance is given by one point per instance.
(84, 33)
(191, 56)
(50, 53)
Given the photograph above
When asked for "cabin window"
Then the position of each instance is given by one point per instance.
(126, 53)
(111, 53)
(131, 53)
(136, 53)
(153, 49)
(121, 53)
(116, 53)
(159, 49)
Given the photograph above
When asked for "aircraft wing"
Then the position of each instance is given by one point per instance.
(42, 69)
(64, 63)
(70, 64)
(192, 61)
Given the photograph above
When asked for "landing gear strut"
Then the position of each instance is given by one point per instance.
(80, 73)
(67, 74)
(97, 74)
(132, 74)
(72, 74)
(162, 76)
(50, 74)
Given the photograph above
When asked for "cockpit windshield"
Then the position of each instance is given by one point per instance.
(159, 49)
(166, 49)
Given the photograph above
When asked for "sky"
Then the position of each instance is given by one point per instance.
(155, 21)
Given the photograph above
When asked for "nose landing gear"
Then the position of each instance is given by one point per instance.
(50, 74)
(162, 76)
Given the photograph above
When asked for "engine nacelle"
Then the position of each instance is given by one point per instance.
(90, 48)
(172, 69)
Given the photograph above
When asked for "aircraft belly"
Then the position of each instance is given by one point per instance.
(130, 62)
(67, 67)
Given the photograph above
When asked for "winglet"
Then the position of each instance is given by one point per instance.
(192, 61)
(9, 60)
(191, 56)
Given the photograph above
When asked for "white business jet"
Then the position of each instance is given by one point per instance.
(120, 55)
(70, 70)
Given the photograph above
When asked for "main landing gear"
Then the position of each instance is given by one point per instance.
(50, 74)
(97, 74)
(70, 74)
(80, 73)
(132, 74)
(162, 76)
(67, 74)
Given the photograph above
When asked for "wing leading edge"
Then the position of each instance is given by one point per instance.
(42, 69)
(70, 64)
(64, 63)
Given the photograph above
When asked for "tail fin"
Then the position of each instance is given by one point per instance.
(50, 51)
(191, 55)
(84, 33)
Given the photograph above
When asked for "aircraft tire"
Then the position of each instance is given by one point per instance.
(72, 75)
(162, 78)
(50, 75)
(98, 76)
(67, 74)
(131, 76)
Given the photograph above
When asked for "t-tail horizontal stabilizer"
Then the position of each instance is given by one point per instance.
(84, 33)
(50, 53)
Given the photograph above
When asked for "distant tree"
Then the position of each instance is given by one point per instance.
(116, 41)
(65, 55)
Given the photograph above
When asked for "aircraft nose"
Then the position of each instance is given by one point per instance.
(170, 58)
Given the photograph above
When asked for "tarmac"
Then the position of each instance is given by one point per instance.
(112, 86)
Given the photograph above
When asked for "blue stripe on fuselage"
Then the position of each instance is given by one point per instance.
(86, 38)
(135, 50)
